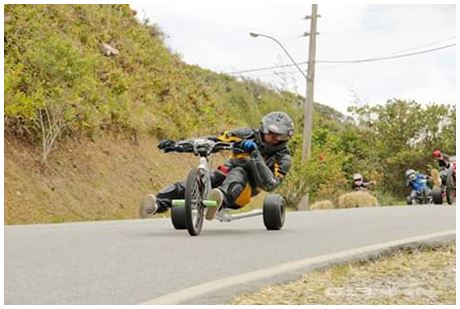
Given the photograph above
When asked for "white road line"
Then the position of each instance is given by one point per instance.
(193, 292)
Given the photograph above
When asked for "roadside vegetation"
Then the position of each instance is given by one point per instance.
(424, 276)
(64, 90)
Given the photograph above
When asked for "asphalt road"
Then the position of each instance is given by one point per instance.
(136, 261)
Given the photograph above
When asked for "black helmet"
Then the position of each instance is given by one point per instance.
(278, 123)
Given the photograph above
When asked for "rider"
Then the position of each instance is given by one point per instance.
(443, 159)
(359, 183)
(416, 181)
(263, 165)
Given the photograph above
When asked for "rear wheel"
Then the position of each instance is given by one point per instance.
(436, 193)
(194, 208)
(274, 212)
(178, 217)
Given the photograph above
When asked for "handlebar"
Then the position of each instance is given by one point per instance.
(202, 147)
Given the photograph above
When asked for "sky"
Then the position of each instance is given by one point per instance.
(215, 35)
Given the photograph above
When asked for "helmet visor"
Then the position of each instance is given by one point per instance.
(278, 137)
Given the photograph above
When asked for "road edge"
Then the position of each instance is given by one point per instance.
(198, 294)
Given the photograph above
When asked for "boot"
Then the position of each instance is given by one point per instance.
(218, 196)
(148, 206)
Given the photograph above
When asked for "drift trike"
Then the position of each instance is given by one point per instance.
(190, 212)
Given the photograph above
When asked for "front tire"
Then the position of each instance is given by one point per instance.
(194, 208)
(274, 212)
(178, 217)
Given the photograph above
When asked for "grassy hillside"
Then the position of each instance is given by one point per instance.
(54, 63)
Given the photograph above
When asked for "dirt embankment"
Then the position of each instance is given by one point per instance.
(86, 180)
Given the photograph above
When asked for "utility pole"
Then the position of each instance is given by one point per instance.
(308, 112)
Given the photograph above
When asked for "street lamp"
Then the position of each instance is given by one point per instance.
(306, 137)
(310, 77)
(255, 35)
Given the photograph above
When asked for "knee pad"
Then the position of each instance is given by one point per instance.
(240, 195)
(235, 191)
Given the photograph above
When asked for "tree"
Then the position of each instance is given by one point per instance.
(403, 134)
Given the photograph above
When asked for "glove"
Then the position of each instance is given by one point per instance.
(248, 145)
(167, 145)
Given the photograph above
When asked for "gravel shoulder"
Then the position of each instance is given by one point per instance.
(421, 276)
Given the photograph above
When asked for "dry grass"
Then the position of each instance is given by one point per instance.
(322, 205)
(411, 277)
(357, 199)
(87, 180)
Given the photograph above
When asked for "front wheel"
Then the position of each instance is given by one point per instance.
(274, 212)
(194, 208)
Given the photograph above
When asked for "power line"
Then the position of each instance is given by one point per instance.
(389, 57)
(379, 27)
(414, 17)
(397, 52)
(291, 72)
(338, 63)
(420, 46)
(345, 61)
(384, 55)
(266, 68)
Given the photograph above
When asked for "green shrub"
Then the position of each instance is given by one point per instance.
(324, 168)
